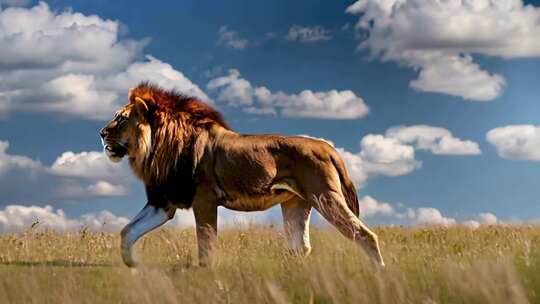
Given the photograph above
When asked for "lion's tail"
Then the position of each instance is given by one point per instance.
(347, 187)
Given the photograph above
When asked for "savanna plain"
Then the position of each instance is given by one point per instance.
(491, 264)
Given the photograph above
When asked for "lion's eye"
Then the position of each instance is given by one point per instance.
(120, 120)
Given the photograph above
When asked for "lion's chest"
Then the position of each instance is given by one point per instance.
(255, 202)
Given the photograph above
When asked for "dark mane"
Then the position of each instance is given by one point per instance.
(171, 146)
(174, 102)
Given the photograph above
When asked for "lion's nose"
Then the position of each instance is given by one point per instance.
(103, 133)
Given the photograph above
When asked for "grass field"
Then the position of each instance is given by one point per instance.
(499, 264)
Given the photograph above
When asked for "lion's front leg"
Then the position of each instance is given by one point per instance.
(206, 222)
(148, 219)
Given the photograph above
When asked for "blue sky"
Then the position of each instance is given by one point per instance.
(442, 74)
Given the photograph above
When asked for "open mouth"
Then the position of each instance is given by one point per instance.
(115, 151)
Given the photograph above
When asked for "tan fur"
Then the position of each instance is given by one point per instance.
(176, 142)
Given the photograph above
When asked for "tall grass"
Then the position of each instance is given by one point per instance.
(499, 264)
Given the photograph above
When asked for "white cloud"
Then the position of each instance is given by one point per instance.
(378, 156)
(15, 162)
(434, 139)
(518, 142)
(157, 72)
(488, 218)
(37, 38)
(438, 38)
(103, 188)
(308, 34)
(235, 219)
(399, 214)
(471, 224)
(333, 104)
(103, 221)
(92, 165)
(17, 218)
(370, 207)
(355, 167)
(393, 154)
(231, 39)
(387, 156)
(111, 179)
(458, 76)
(71, 176)
(234, 90)
(226, 219)
(71, 63)
(432, 216)
(78, 94)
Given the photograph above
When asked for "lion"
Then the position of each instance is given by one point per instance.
(187, 156)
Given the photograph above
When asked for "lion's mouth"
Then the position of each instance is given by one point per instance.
(115, 151)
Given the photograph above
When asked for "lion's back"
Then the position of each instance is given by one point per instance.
(252, 163)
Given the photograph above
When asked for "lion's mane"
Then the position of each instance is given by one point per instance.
(167, 155)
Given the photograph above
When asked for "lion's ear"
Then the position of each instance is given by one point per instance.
(140, 106)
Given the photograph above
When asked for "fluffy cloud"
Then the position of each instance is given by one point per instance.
(71, 63)
(432, 216)
(15, 162)
(393, 154)
(308, 34)
(518, 142)
(92, 165)
(38, 38)
(434, 139)
(231, 39)
(89, 174)
(457, 76)
(71, 176)
(483, 219)
(226, 219)
(370, 207)
(355, 166)
(438, 37)
(333, 104)
(378, 156)
(488, 218)
(103, 188)
(387, 156)
(158, 72)
(17, 218)
(399, 214)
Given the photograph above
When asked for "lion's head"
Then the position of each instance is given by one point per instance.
(124, 132)
(158, 130)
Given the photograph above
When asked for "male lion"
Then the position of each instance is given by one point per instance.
(187, 156)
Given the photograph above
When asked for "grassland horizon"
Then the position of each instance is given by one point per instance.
(490, 264)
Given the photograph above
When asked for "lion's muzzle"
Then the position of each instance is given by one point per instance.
(115, 151)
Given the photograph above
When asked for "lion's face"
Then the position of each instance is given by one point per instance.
(121, 134)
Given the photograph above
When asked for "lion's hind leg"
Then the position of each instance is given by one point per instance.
(334, 209)
(296, 214)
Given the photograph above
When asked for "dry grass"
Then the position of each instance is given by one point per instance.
(434, 265)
